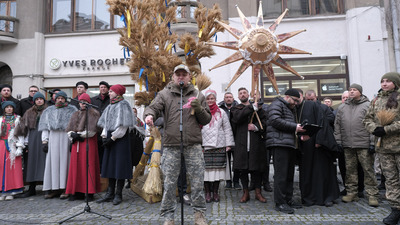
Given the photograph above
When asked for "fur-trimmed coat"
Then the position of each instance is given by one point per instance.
(28, 121)
(78, 122)
(56, 118)
(117, 115)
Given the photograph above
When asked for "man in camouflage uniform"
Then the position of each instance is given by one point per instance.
(357, 144)
(389, 147)
(167, 103)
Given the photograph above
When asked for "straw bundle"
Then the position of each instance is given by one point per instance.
(385, 117)
(153, 184)
(202, 82)
(142, 163)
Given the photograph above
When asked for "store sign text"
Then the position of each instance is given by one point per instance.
(94, 64)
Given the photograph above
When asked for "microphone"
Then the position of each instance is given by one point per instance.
(48, 91)
(181, 83)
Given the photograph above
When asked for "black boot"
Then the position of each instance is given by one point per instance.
(110, 192)
(30, 192)
(393, 217)
(215, 191)
(207, 191)
(118, 194)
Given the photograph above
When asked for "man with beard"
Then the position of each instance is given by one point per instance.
(281, 139)
(250, 152)
(227, 105)
(318, 182)
(6, 95)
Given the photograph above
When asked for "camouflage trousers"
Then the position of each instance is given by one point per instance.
(352, 155)
(170, 166)
(390, 164)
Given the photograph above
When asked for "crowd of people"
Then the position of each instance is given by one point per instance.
(232, 141)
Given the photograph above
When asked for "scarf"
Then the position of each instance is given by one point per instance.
(7, 119)
(116, 99)
(214, 109)
(61, 104)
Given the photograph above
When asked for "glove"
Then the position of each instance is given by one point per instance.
(76, 137)
(371, 149)
(45, 147)
(107, 142)
(18, 152)
(196, 106)
(340, 148)
(379, 132)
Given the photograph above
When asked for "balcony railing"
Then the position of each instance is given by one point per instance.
(8, 30)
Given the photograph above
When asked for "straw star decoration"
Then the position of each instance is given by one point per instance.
(258, 47)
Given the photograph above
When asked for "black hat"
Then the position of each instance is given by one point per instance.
(293, 92)
(104, 83)
(5, 86)
(82, 83)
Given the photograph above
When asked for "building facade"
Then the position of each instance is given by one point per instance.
(55, 43)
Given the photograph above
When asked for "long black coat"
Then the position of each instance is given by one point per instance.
(26, 103)
(255, 159)
(101, 103)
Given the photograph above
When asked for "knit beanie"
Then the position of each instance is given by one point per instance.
(211, 92)
(357, 86)
(62, 94)
(7, 103)
(37, 95)
(82, 83)
(392, 76)
(118, 89)
(85, 97)
(293, 92)
(5, 86)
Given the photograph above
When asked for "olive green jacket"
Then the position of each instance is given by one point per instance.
(166, 104)
(390, 143)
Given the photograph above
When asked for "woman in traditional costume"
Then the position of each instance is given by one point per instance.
(11, 148)
(53, 123)
(116, 121)
(217, 139)
(76, 129)
(28, 128)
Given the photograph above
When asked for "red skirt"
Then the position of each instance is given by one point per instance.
(11, 176)
(77, 168)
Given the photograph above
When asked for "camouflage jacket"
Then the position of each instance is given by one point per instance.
(390, 143)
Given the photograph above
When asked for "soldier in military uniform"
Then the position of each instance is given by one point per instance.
(389, 147)
(358, 145)
(167, 103)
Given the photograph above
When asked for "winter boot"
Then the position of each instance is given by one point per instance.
(259, 196)
(118, 194)
(373, 201)
(31, 191)
(215, 191)
(208, 191)
(110, 192)
(199, 218)
(350, 198)
(393, 217)
(246, 196)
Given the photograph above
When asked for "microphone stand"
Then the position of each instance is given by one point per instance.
(181, 84)
(87, 207)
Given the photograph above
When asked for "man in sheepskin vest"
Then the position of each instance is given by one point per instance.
(53, 123)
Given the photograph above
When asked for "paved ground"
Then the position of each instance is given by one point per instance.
(134, 210)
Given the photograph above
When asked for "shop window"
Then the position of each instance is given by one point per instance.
(8, 8)
(328, 77)
(82, 15)
(273, 8)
